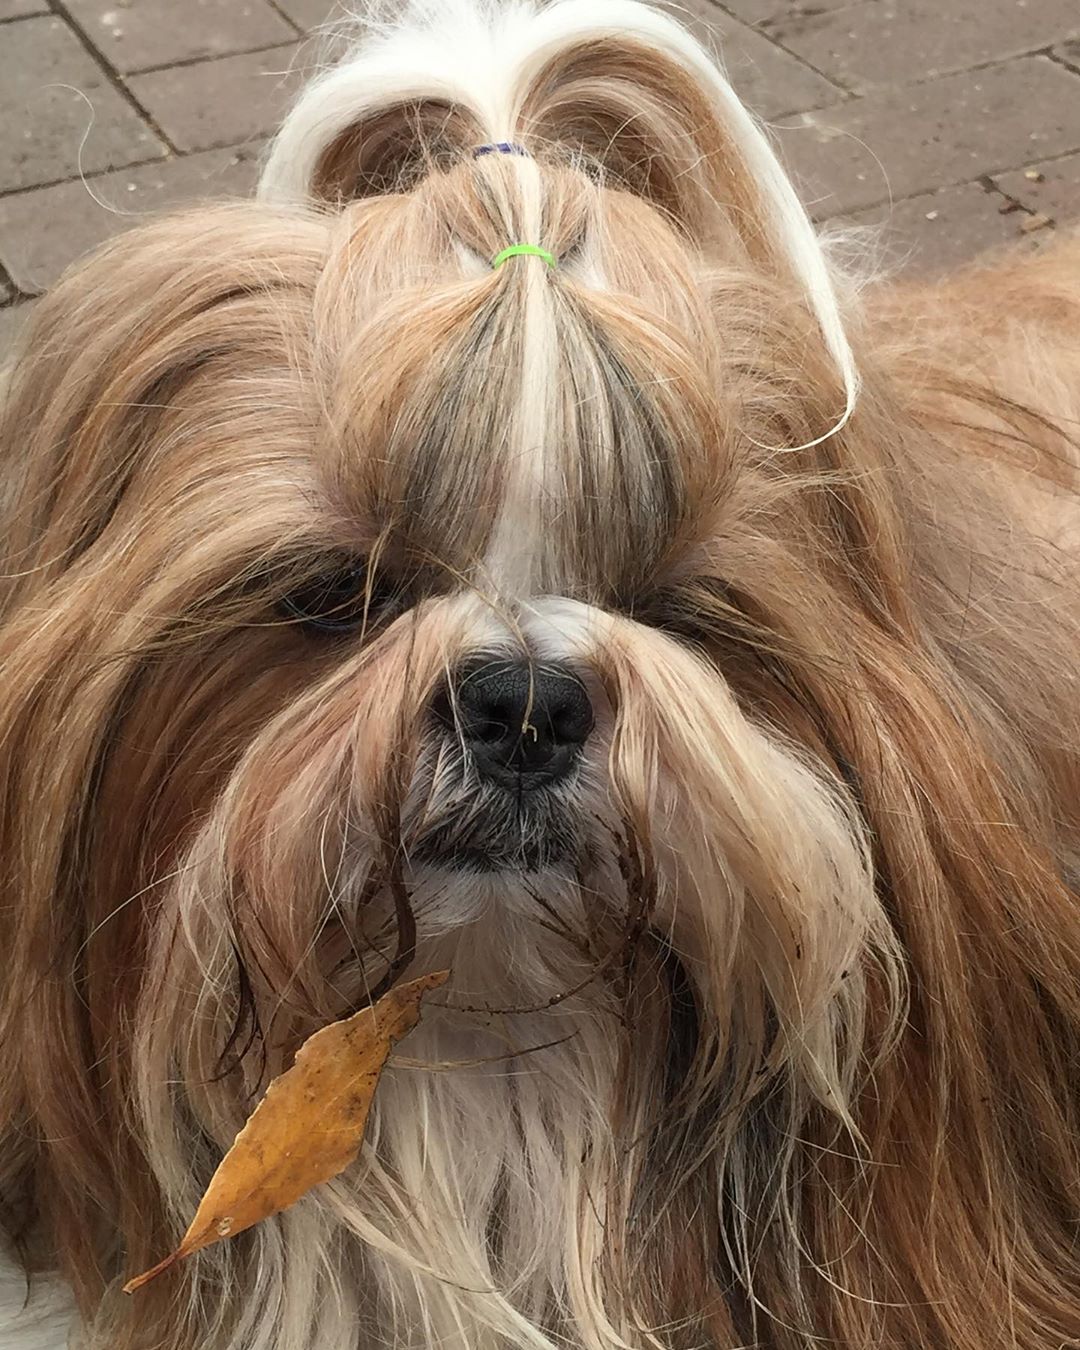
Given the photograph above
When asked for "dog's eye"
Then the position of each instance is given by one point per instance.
(344, 599)
(700, 610)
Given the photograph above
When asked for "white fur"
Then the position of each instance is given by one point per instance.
(514, 554)
(42, 1321)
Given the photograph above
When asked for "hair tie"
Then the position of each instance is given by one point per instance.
(500, 148)
(523, 251)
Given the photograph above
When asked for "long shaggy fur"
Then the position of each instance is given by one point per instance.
(783, 1051)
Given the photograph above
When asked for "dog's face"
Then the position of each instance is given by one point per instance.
(384, 612)
(397, 625)
(370, 610)
(486, 560)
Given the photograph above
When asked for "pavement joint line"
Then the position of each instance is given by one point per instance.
(91, 174)
(723, 14)
(773, 123)
(254, 141)
(763, 25)
(21, 18)
(989, 64)
(990, 174)
(812, 13)
(112, 75)
(998, 62)
(854, 95)
(1072, 66)
(7, 279)
(795, 56)
(288, 19)
(189, 61)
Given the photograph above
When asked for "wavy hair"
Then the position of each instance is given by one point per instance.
(787, 1052)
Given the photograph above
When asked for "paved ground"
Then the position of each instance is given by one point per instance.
(956, 122)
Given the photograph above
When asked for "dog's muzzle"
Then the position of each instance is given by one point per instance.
(517, 731)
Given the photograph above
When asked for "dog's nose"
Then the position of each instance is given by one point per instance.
(524, 724)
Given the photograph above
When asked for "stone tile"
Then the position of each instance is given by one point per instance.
(938, 232)
(900, 41)
(310, 14)
(705, 20)
(135, 34)
(898, 142)
(771, 82)
(41, 232)
(12, 320)
(51, 131)
(771, 11)
(16, 9)
(768, 79)
(1053, 189)
(224, 102)
(752, 11)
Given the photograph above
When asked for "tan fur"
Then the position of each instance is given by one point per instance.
(807, 1007)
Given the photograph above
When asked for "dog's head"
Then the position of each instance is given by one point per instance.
(372, 609)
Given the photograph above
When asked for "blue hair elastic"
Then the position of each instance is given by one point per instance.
(500, 148)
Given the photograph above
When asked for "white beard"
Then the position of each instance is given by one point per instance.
(43, 1321)
(505, 1139)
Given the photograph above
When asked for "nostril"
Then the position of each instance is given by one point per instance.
(572, 720)
(490, 730)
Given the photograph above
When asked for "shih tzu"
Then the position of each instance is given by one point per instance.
(514, 545)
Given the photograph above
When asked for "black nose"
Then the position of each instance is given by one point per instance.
(524, 724)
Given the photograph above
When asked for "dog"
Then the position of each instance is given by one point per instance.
(515, 544)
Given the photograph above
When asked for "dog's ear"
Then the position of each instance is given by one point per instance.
(614, 87)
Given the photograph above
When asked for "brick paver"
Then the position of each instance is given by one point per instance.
(771, 81)
(12, 320)
(41, 231)
(904, 41)
(14, 9)
(59, 113)
(944, 229)
(895, 143)
(163, 32)
(950, 126)
(230, 101)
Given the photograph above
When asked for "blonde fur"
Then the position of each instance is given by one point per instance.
(782, 1050)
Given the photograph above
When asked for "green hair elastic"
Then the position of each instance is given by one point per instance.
(523, 251)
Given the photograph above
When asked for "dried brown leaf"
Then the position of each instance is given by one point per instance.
(308, 1127)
